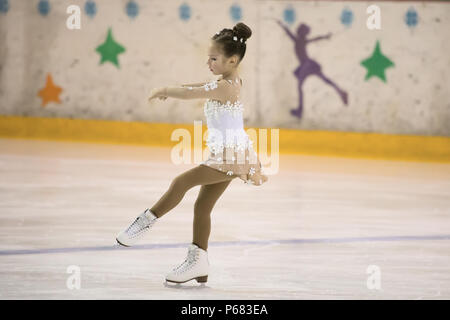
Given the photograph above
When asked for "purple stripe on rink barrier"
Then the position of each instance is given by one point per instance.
(224, 244)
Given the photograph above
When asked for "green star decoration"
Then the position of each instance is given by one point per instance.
(110, 49)
(377, 64)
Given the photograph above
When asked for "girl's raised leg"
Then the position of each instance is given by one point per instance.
(200, 175)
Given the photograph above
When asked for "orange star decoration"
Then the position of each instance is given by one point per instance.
(50, 92)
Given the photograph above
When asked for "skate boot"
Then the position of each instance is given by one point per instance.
(137, 229)
(194, 267)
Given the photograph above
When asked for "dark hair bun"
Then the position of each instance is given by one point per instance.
(242, 30)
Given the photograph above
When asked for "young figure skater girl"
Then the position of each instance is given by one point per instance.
(231, 152)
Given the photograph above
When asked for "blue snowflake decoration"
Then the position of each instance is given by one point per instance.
(289, 15)
(4, 6)
(43, 7)
(236, 12)
(347, 17)
(132, 9)
(90, 8)
(411, 17)
(185, 11)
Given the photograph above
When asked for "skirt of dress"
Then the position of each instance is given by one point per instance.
(243, 164)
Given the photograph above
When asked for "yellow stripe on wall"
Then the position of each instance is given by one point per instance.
(366, 145)
(330, 143)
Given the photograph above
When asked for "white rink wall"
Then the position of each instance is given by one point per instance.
(166, 44)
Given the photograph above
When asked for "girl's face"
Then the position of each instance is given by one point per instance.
(217, 62)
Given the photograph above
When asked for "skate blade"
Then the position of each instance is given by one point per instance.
(202, 279)
(121, 244)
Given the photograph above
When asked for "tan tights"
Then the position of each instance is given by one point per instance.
(213, 184)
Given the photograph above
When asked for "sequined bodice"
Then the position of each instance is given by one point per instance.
(224, 115)
(225, 125)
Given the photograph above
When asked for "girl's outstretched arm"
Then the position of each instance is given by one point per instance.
(218, 90)
(194, 84)
(197, 84)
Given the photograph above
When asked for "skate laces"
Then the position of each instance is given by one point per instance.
(140, 224)
(188, 262)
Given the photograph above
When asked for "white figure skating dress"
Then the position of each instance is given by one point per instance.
(230, 147)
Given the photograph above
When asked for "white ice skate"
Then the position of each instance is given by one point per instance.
(137, 229)
(194, 267)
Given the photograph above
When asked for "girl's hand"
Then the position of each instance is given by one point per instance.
(157, 93)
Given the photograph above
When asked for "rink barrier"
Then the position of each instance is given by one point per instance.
(293, 141)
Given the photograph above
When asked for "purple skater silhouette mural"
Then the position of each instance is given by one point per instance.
(307, 65)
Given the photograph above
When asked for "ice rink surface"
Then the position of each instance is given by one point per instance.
(321, 228)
